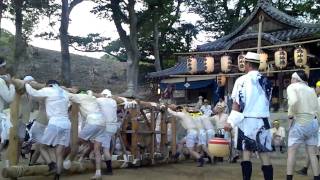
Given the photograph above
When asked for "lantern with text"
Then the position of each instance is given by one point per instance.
(209, 64)
(280, 58)
(300, 56)
(226, 63)
(263, 61)
(241, 62)
(192, 65)
(221, 80)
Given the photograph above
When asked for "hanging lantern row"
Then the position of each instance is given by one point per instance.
(280, 57)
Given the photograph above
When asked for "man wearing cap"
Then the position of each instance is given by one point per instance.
(303, 110)
(7, 93)
(278, 135)
(57, 133)
(250, 111)
(108, 108)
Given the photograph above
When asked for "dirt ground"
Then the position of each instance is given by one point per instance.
(187, 170)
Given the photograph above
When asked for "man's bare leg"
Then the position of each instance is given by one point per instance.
(97, 153)
(35, 155)
(44, 150)
(312, 153)
(59, 155)
(197, 156)
(291, 160)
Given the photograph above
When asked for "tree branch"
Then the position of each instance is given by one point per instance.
(73, 4)
(94, 50)
(116, 16)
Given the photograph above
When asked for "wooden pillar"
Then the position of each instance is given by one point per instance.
(174, 136)
(280, 86)
(135, 127)
(12, 152)
(74, 130)
(164, 132)
(261, 18)
(153, 135)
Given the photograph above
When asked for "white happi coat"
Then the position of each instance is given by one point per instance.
(248, 93)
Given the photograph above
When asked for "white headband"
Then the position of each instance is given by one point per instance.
(3, 64)
(297, 77)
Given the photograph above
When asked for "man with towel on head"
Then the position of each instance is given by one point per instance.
(303, 111)
(7, 93)
(108, 107)
(94, 127)
(188, 123)
(249, 116)
(57, 133)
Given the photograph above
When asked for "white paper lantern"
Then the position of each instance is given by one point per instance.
(209, 64)
(300, 56)
(263, 61)
(192, 65)
(281, 58)
(226, 63)
(241, 62)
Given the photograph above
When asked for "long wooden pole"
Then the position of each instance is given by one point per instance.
(74, 130)
(12, 152)
(260, 33)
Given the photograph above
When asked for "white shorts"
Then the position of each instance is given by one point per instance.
(304, 134)
(5, 125)
(105, 140)
(54, 135)
(202, 138)
(191, 138)
(93, 133)
(37, 131)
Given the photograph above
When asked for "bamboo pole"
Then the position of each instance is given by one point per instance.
(276, 46)
(12, 152)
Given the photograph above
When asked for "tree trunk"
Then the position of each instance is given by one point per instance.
(64, 42)
(19, 44)
(156, 53)
(1, 9)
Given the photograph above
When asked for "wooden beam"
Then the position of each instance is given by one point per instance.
(74, 130)
(164, 131)
(12, 152)
(133, 114)
(153, 136)
(174, 136)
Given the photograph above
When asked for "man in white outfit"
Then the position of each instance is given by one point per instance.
(57, 133)
(303, 111)
(251, 96)
(7, 93)
(94, 127)
(108, 107)
(188, 123)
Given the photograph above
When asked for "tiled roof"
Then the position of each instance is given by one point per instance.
(297, 29)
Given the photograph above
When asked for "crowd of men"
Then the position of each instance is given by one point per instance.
(248, 122)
